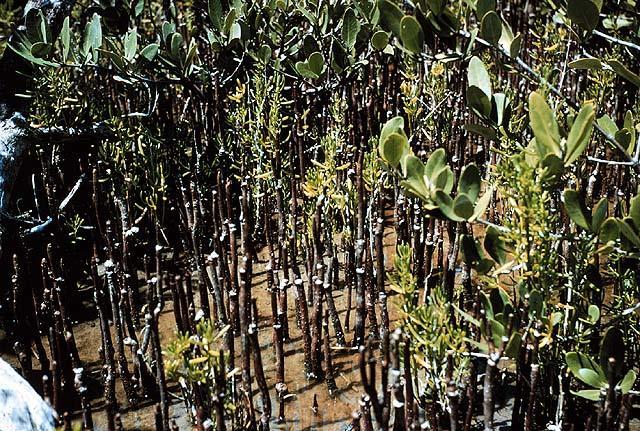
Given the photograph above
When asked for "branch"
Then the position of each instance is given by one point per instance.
(616, 40)
(99, 130)
(45, 226)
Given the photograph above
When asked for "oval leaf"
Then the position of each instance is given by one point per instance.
(411, 34)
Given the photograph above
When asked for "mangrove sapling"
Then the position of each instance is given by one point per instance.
(328, 371)
(152, 322)
(258, 367)
(234, 313)
(109, 370)
(318, 297)
(116, 304)
(191, 182)
(358, 332)
(452, 394)
(372, 295)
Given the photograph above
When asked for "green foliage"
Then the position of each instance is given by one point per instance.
(411, 34)
(548, 140)
(8, 11)
(432, 182)
(492, 108)
(597, 375)
(197, 363)
(584, 13)
(491, 27)
(431, 332)
(613, 64)
(242, 70)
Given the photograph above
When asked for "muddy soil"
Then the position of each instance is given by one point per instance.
(334, 413)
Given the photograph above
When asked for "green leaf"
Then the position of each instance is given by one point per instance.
(624, 72)
(167, 30)
(65, 39)
(310, 45)
(634, 210)
(478, 76)
(150, 51)
(471, 251)
(495, 245)
(598, 214)
(235, 32)
(229, 20)
(586, 63)
(580, 133)
(500, 110)
(628, 231)
(608, 124)
(536, 303)
(215, 14)
(316, 63)
(264, 53)
(628, 125)
(302, 67)
(138, 8)
(576, 361)
(626, 384)
(445, 205)
(594, 313)
(130, 44)
(190, 58)
(413, 170)
(40, 49)
(350, 28)
(544, 125)
(469, 182)
(175, 45)
(576, 209)
(497, 332)
(554, 167)
(390, 16)
(444, 180)
(487, 306)
(484, 6)
(623, 137)
(380, 40)
(482, 204)
(585, 13)
(411, 34)
(589, 394)
(478, 102)
(393, 148)
(33, 24)
(92, 35)
(394, 125)
(516, 45)
(591, 378)
(462, 206)
(513, 346)
(609, 231)
(491, 28)
(435, 163)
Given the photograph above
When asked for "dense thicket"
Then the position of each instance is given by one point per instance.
(443, 190)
